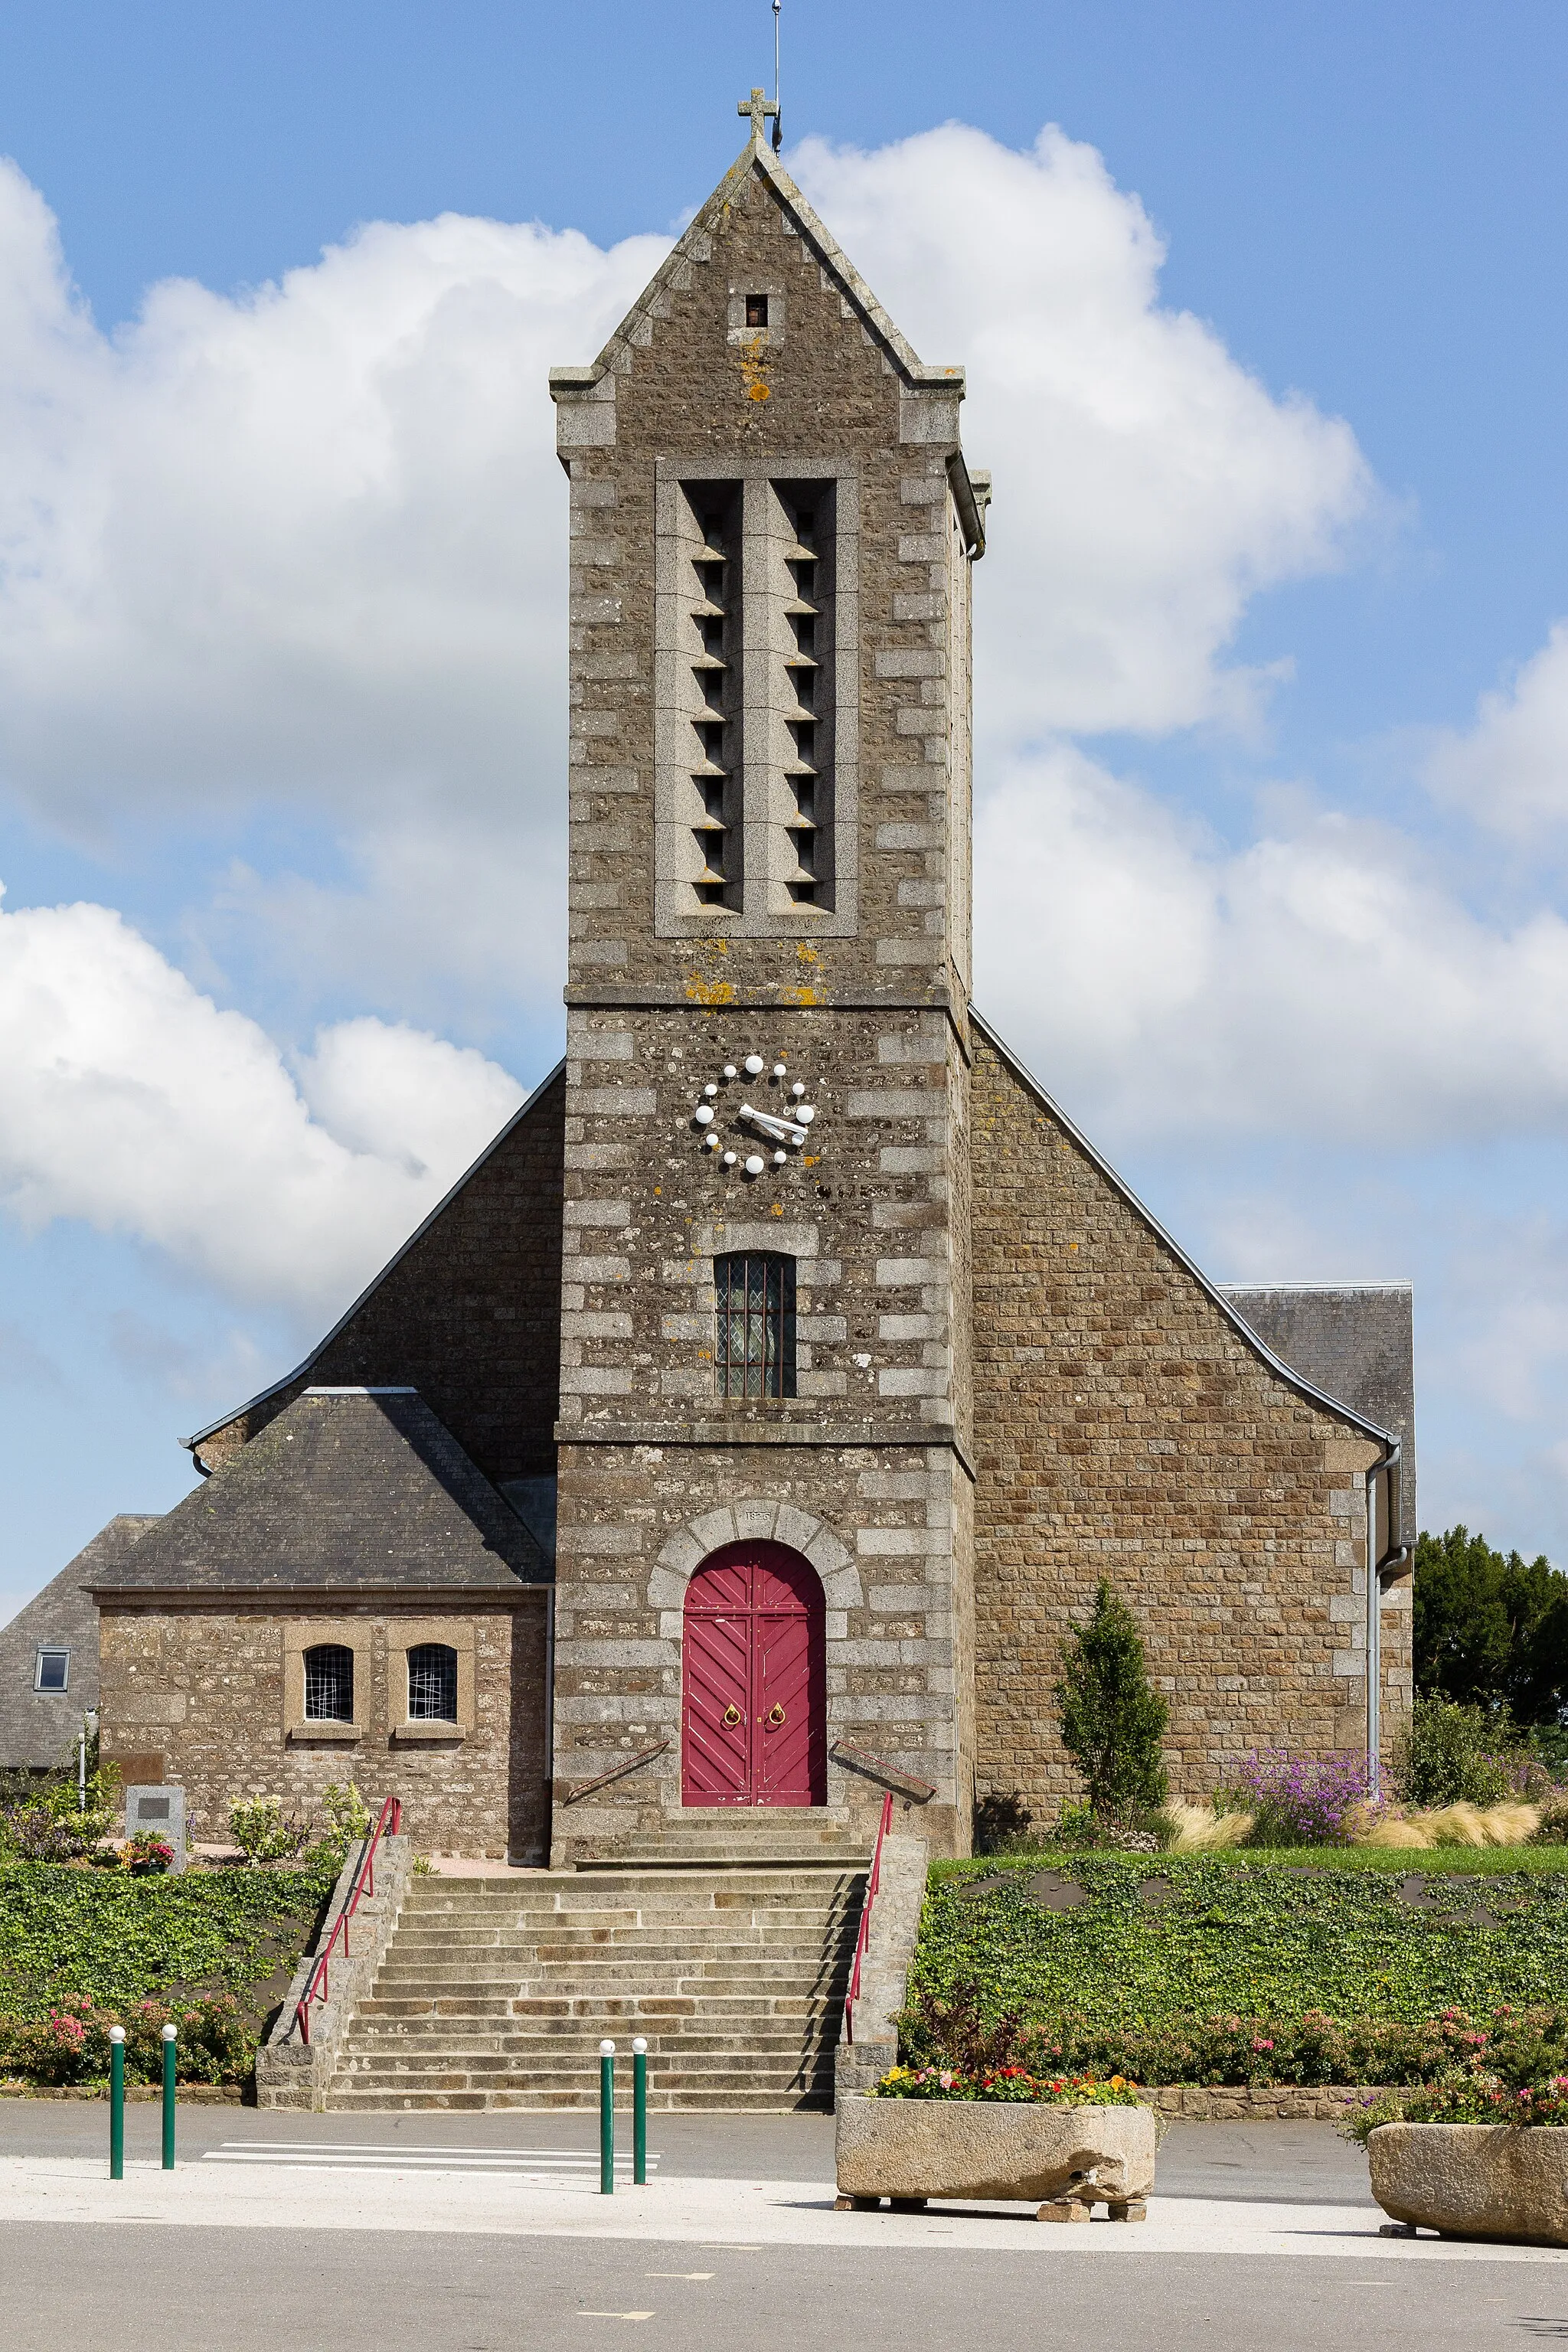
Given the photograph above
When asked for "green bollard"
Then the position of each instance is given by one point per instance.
(169, 2034)
(639, 2112)
(606, 2118)
(117, 2103)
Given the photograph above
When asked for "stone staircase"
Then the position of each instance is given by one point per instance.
(497, 1992)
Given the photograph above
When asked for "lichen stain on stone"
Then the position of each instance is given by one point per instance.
(710, 992)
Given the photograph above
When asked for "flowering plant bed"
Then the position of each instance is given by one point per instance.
(1504, 2182)
(68, 2046)
(1009, 2086)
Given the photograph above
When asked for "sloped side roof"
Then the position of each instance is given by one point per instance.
(303, 1369)
(1357, 1340)
(37, 1727)
(348, 1490)
(1385, 1434)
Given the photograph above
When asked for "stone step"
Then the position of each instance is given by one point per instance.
(492, 1994)
(527, 1973)
(377, 2100)
(765, 2033)
(502, 2069)
(707, 1928)
(556, 1885)
(652, 2007)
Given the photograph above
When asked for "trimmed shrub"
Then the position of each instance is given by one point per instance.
(1112, 1721)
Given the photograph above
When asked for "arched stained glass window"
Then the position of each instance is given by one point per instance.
(330, 1684)
(432, 1683)
(755, 1354)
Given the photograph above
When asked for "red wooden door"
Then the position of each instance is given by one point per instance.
(755, 1720)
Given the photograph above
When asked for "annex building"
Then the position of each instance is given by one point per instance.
(750, 1423)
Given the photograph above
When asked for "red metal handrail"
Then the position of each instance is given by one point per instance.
(364, 1882)
(875, 1880)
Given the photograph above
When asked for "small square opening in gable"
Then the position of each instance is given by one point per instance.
(756, 310)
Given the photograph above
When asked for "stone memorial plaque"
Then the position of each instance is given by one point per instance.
(158, 1812)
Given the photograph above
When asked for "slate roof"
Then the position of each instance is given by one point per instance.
(348, 1490)
(1357, 1340)
(37, 1727)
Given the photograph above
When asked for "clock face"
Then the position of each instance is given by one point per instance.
(752, 1114)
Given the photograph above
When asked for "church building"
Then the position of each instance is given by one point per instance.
(740, 1437)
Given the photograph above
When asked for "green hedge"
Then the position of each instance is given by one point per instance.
(121, 1939)
(1259, 1936)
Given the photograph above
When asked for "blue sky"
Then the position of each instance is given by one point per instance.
(1275, 898)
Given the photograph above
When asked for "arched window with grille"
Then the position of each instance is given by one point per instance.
(432, 1683)
(329, 1683)
(754, 1352)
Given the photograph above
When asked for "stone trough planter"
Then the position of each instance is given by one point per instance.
(1475, 2180)
(1063, 2159)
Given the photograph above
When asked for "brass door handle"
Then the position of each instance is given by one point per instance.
(731, 1714)
(778, 1715)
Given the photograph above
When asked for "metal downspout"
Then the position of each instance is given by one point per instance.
(1376, 1565)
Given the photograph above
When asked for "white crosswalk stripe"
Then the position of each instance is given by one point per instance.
(533, 2164)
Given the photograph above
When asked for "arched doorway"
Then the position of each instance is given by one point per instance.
(753, 1722)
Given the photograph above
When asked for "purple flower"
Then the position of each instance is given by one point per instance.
(1306, 1800)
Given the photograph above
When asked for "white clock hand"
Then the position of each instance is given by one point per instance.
(785, 1130)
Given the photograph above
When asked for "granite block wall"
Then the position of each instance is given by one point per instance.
(204, 1686)
(1125, 1428)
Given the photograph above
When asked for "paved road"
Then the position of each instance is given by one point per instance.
(1273, 2163)
(130, 2289)
(135, 2286)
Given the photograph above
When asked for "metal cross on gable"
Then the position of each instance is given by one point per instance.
(761, 110)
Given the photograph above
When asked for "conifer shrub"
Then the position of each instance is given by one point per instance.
(1112, 1720)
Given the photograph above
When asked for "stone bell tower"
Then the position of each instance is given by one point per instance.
(764, 1549)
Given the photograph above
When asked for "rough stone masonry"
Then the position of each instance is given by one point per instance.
(969, 1376)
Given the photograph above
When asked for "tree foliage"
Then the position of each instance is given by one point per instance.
(1491, 1627)
(1112, 1721)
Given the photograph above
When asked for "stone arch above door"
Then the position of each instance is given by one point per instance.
(773, 1522)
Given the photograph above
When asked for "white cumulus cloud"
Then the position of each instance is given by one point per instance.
(1317, 982)
(1147, 486)
(1509, 770)
(134, 1103)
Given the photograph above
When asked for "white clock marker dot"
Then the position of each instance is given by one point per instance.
(711, 1087)
(798, 1088)
(754, 1064)
(703, 1114)
(806, 1113)
(755, 1165)
(779, 1070)
(729, 1070)
(729, 1160)
(779, 1158)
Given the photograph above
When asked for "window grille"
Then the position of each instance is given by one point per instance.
(755, 1350)
(330, 1684)
(51, 1670)
(432, 1683)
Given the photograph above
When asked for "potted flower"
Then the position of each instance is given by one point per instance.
(1482, 2153)
(1065, 2143)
